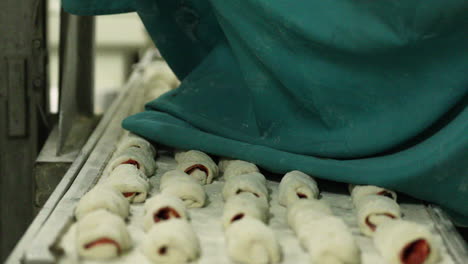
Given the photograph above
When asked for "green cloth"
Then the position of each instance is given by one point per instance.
(365, 92)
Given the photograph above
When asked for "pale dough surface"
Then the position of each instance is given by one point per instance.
(297, 183)
(207, 223)
(187, 159)
(198, 174)
(369, 208)
(131, 140)
(359, 191)
(126, 178)
(250, 241)
(171, 242)
(234, 168)
(184, 186)
(146, 162)
(393, 236)
(98, 225)
(245, 204)
(161, 202)
(103, 197)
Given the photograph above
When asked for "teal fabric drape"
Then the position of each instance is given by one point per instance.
(366, 92)
(98, 7)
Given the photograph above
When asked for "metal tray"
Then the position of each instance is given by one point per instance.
(207, 224)
(49, 238)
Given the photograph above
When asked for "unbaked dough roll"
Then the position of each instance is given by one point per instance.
(328, 241)
(132, 140)
(250, 241)
(359, 191)
(156, 89)
(296, 185)
(159, 71)
(182, 185)
(101, 235)
(238, 167)
(374, 210)
(197, 164)
(244, 205)
(102, 197)
(403, 242)
(134, 156)
(303, 211)
(254, 183)
(163, 207)
(171, 242)
(203, 171)
(128, 180)
(222, 164)
(182, 156)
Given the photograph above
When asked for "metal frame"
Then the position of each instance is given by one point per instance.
(75, 120)
(23, 116)
(77, 36)
(456, 246)
(84, 171)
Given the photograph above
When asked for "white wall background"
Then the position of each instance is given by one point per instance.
(118, 39)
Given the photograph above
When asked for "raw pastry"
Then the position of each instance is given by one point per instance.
(134, 156)
(101, 235)
(328, 240)
(296, 185)
(156, 89)
(197, 164)
(102, 197)
(359, 191)
(171, 242)
(222, 164)
(203, 171)
(132, 140)
(244, 205)
(158, 71)
(182, 185)
(250, 241)
(403, 242)
(373, 210)
(163, 207)
(254, 183)
(191, 155)
(130, 182)
(303, 211)
(238, 167)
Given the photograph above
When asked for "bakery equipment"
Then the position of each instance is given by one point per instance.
(42, 241)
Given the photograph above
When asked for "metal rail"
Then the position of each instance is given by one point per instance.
(455, 244)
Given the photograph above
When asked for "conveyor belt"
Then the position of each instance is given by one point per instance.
(207, 224)
(41, 243)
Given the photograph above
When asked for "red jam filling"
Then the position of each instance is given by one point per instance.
(132, 162)
(162, 250)
(103, 241)
(240, 191)
(128, 194)
(165, 213)
(372, 225)
(386, 194)
(192, 168)
(416, 252)
(237, 217)
(301, 196)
